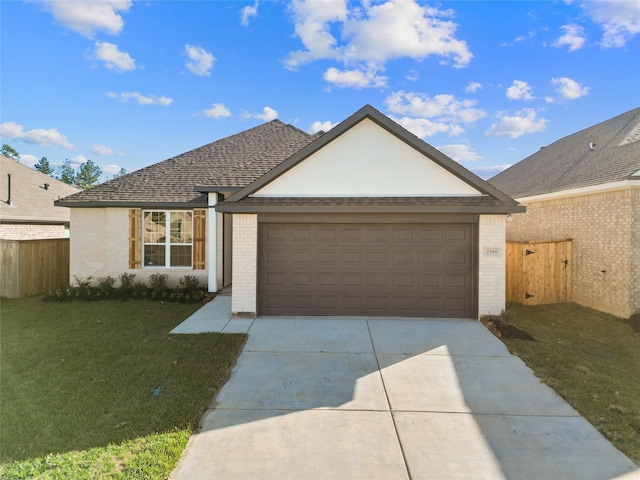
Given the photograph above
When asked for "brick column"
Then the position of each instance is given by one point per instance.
(491, 264)
(245, 265)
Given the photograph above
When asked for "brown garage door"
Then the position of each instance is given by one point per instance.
(425, 270)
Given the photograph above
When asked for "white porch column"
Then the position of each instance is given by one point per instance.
(212, 243)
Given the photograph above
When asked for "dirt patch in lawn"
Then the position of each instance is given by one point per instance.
(502, 329)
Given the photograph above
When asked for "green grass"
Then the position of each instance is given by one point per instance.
(590, 358)
(76, 381)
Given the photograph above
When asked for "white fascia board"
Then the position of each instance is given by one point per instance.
(603, 187)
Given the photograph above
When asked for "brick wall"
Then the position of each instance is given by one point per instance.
(605, 243)
(245, 264)
(26, 231)
(99, 246)
(635, 251)
(491, 274)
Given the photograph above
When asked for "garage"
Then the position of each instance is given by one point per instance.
(374, 269)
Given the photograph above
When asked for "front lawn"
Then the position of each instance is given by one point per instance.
(103, 386)
(590, 358)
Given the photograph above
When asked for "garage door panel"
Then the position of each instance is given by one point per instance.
(363, 269)
(351, 257)
(300, 235)
(277, 279)
(456, 281)
(326, 235)
(376, 235)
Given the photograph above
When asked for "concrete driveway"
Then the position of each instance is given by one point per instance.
(365, 398)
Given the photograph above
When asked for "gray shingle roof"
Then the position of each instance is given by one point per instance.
(31, 202)
(570, 163)
(232, 162)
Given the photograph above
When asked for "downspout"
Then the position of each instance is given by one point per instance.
(9, 189)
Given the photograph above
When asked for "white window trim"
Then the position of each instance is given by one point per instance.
(167, 244)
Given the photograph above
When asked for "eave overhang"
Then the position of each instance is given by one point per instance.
(117, 204)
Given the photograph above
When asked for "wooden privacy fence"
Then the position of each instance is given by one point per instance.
(539, 272)
(30, 267)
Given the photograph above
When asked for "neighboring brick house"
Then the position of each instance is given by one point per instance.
(366, 219)
(586, 187)
(27, 211)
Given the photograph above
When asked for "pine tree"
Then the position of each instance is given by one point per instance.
(10, 152)
(43, 167)
(88, 175)
(67, 173)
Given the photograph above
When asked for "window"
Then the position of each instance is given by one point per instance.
(168, 238)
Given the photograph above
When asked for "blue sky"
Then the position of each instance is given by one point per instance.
(130, 83)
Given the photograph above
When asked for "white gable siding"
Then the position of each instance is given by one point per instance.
(366, 161)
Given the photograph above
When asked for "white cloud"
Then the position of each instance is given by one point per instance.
(569, 89)
(78, 160)
(423, 127)
(267, 114)
(460, 152)
(29, 160)
(110, 169)
(519, 90)
(444, 107)
(313, 25)
(318, 126)
(521, 38)
(620, 20)
(200, 61)
(473, 87)
(489, 171)
(141, 99)
(248, 12)
(412, 75)
(354, 78)
(573, 38)
(104, 151)
(217, 110)
(513, 126)
(88, 17)
(372, 34)
(113, 58)
(38, 136)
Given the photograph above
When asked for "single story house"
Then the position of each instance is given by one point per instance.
(27, 211)
(366, 219)
(586, 187)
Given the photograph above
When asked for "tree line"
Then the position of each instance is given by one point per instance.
(87, 176)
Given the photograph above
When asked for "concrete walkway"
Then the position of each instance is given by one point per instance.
(363, 398)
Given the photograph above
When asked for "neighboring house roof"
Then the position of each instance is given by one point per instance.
(224, 165)
(492, 199)
(604, 153)
(32, 195)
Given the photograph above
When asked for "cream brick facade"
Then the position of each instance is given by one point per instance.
(491, 264)
(245, 265)
(605, 229)
(27, 231)
(99, 246)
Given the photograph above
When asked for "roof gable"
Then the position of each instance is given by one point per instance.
(366, 161)
(604, 153)
(462, 181)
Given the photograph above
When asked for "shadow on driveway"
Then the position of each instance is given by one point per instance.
(330, 397)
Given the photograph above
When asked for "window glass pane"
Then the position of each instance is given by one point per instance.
(181, 227)
(180, 255)
(154, 255)
(155, 227)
